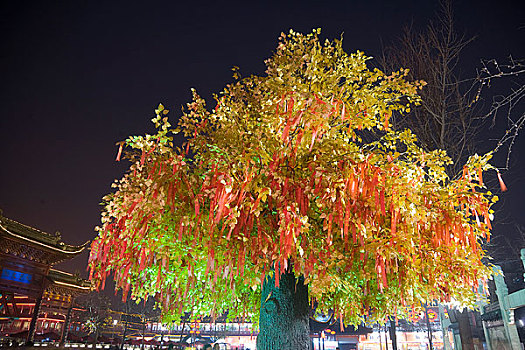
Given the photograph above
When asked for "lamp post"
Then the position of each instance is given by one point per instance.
(143, 331)
(429, 328)
(115, 321)
(386, 337)
(124, 332)
(380, 338)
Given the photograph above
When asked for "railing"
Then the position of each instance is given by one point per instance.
(76, 345)
(98, 346)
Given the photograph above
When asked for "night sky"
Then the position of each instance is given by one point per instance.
(79, 76)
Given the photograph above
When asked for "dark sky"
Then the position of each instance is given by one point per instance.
(78, 76)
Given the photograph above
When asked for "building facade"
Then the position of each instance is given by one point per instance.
(35, 299)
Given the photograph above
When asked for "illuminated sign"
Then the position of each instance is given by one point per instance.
(16, 276)
(432, 315)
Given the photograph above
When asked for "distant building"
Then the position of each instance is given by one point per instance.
(35, 299)
(504, 317)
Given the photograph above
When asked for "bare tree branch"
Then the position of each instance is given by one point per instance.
(453, 113)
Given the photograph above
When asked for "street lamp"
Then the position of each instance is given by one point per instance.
(113, 331)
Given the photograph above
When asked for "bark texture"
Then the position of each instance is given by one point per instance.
(283, 321)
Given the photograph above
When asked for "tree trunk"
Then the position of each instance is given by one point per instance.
(392, 331)
(429, 329)
(96, 336)
(283, 321)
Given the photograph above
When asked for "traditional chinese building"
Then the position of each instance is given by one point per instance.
(35, 299)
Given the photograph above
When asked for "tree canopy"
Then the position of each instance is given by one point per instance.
(297, 169)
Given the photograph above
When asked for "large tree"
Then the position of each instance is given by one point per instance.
(295, 190)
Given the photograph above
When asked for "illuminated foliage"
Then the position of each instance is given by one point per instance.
(295, 169)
